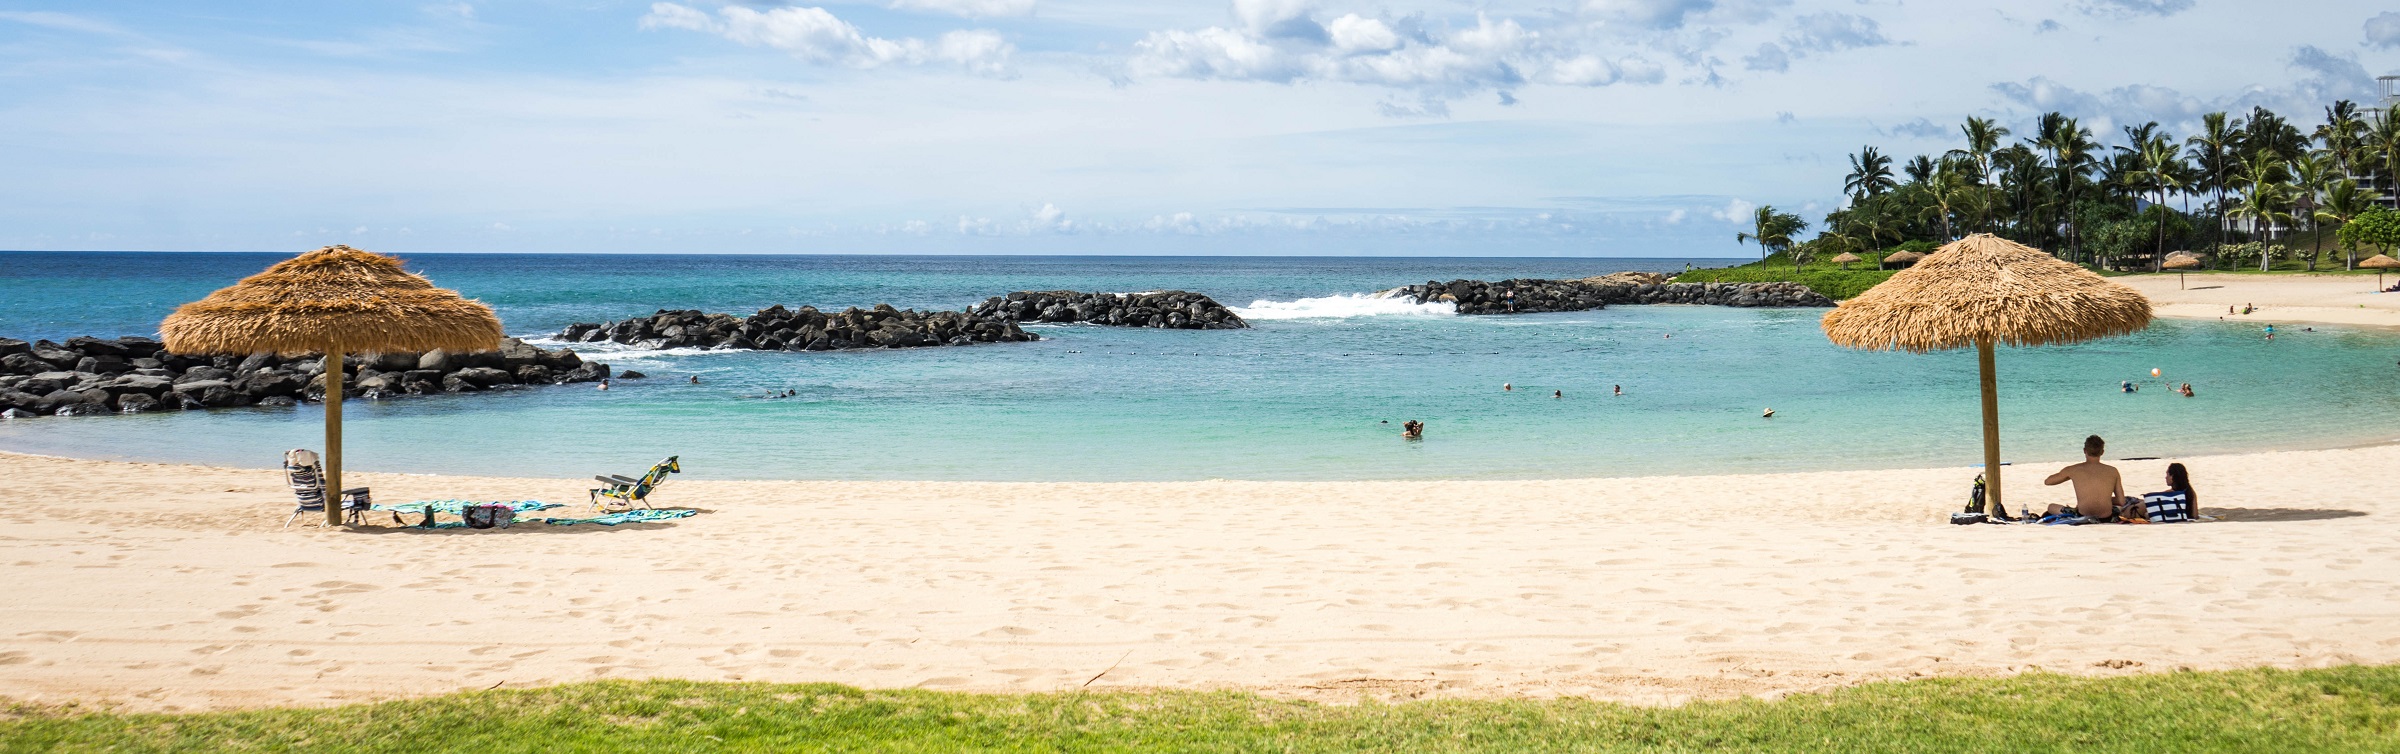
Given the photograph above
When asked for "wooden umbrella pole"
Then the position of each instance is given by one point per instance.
(332, 435)
(1991, 429)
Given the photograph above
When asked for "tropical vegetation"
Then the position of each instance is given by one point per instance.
(2251, 189)
(2342, 709)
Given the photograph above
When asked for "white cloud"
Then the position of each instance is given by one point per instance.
(1353, 34)
(2383, 31)
(968, 8)
(1652, 14)
(816, 36)
(2136, 7)
(1281, 41)
(1737, 211)
(64, 22)
(1830, 32)
(1770, 57)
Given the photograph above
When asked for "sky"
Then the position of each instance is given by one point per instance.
(1325, 127)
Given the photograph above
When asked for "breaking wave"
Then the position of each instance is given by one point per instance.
(1344, 305)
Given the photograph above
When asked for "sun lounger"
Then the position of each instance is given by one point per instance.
(630, 491)
(307, 478)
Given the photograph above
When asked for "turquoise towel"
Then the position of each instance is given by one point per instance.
(457, 506)
(634, 516)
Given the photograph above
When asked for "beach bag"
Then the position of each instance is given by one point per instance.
(1963, 519)
(1974, 498)
(488, 516)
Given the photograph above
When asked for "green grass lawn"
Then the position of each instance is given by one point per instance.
(1831, 280)
(2349, 709)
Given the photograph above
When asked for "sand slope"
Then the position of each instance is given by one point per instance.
(170, 587)
(2325, 299)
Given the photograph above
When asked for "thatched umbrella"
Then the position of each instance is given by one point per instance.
(2379, 263)
(1981, 290)
(337, 300)
(2180, 261)
(1844, 259)
(1903, 258)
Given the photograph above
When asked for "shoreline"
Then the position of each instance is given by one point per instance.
(2331, 299)
(1649, 590)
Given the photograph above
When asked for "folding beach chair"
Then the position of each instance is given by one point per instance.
(635, 491)
(307, 478)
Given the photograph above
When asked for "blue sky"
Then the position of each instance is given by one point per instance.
(1571, 127)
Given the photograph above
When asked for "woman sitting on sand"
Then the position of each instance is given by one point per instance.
(2179, 503)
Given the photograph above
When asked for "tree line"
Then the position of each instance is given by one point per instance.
(2265, 189)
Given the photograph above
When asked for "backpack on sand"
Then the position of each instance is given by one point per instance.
(488, 516)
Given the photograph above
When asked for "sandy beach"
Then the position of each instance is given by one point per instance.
(2323, 299)
(170, 587)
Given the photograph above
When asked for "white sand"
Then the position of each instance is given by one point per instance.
(170, 587)
(2327, 299)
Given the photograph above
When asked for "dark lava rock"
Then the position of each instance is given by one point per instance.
(1181, 310)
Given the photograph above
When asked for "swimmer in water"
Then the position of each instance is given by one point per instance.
(2186, 390)
(1505, 387)
(604, 383)
(1558, 394)
(695, 379)
(1412, 430)
(1770, 414)
(1620, 389)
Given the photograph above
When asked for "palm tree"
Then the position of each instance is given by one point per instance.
(1919, 169)
(2070, 146)
(2344, 200)
(1773, 231)
(1983, 138)
(1870, 174)
(2163, 166)
(2212, 150)
(1945, 188)
(2383, 146)
(2343, 135)
(2310, 174)
(2264, 197)
(2021, 182)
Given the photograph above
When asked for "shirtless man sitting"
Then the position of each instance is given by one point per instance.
(2098, 487)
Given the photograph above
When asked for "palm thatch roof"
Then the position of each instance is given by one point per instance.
(1903, 258)
(1985, 287)
(1845, 258)
(335, 298)
(2379, 262)
(2182, 260)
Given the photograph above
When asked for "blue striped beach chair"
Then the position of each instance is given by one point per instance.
(306, 475)
(630, 492)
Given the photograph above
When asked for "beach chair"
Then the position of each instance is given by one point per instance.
(633, 492)
(307, 477)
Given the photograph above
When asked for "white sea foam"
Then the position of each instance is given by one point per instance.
(1344, 305)
(607, 350)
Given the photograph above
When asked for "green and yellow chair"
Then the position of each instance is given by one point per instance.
(631, 492)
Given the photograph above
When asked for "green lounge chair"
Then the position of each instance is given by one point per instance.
(633, 492)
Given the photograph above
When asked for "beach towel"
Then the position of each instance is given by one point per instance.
(2067, 519)
(635, 516)
(456, 506)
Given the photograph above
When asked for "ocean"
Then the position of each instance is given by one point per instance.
(1316, 390)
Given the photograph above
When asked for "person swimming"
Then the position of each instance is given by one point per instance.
(604, 383)
(1769, 414)
(1507, 387)
(695, 379)
(2125, 386)
(2186, 390)
(1558, 394)
(1412, 430)
(1620, 389)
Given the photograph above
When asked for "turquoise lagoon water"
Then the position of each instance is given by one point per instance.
(1303, 395)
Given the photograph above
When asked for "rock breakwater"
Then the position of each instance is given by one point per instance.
(805, 329)
(1180, 310)
(86, 375)
(1525, 296)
